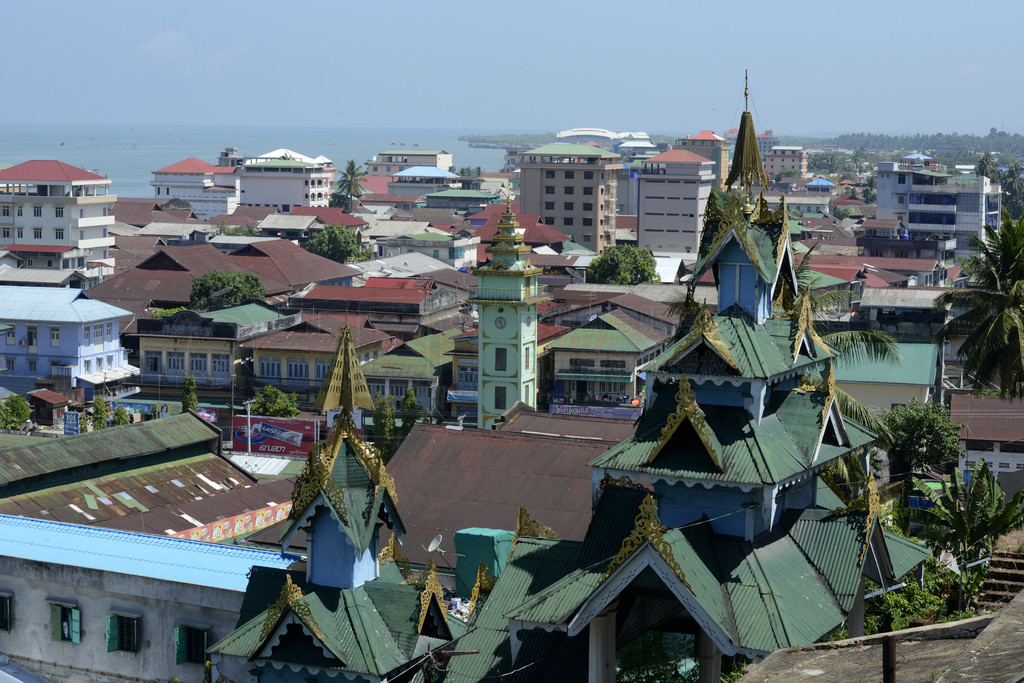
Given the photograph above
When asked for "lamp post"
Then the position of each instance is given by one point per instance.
(248, 422)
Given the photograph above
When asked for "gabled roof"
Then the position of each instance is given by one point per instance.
(192, 166)
(286, 262)
(678, 156)
(329, 215)
(710, 135)
(37, 171)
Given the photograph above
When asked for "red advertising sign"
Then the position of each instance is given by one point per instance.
(238, 525)
(273, 435)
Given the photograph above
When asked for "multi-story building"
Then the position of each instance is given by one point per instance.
(785, 156)
(62, 338)
(210, 190)
(392, 161)
(765, 142)
(673, 193)
(572, 187)
(710, 146)
(423, 180)
(458, 250)
(892, 239)
(924, 199)
(57, 216)
(284, 180)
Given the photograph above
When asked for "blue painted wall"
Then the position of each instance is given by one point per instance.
(333, 560)
(679, 505)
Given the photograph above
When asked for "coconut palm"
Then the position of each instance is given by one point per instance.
(350, 183)
(990, 312)
(1013, 188)
(987, 166)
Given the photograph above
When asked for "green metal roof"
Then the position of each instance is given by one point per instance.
(434, 347)
(246, 314)
(818, 280)
(394, 365)
(759, 239)
(607, 333)
(917, 367)
(904, 553)
(433, 236)
(566, 149)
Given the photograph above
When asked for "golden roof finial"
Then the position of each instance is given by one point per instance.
(746, 161)
(345, 384)
(746, 91)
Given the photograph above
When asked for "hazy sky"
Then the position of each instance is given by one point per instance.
(670, 66)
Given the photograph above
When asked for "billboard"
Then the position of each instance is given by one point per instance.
(273, 435)
(238, 525)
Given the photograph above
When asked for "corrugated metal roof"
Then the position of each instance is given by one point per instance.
(123, 552)
(899, 297)
(245, 314)
(54, 304)
(988, 417)
(917, 367)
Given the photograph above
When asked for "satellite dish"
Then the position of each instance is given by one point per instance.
(435, 545)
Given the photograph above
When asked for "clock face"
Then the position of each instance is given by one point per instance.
(500, 322)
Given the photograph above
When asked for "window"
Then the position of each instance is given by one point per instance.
(31, 335)
(1004, 465)
(901, 178)
(10, 335)
(189, 645)
(567, 206)
(549, 220)
(7, 233)
(220, 363)
(88, 366)
(527, 353)
(122, 633)
(548, 206)
(49, 263)
(588, 222)
(176, 363)
(37, 211)
(569, 189)
(54, 336)
(549, 189)
(99, 363)
(19, 210)
(110, 361)
(499, 398)
(270, 366)
(298, 368)
(21, 233)
(59, 213)
(10, 364)
(5, 612)
(588, 175)
(197, 364)
(567, 220)
(32, 364)
(97, 334)
(65, 622)
(569, 175)
(6, 211)
(549, 174)
(110, 330)
(613, 364)
(500, 358)
(588, 206)
(85, 334)
(588, 190)
(153, 361)
(322, 366)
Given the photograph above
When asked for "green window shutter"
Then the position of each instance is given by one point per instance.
(76, 626)
(206, 643)
(111, 634)
(180, 647)
(55, 621)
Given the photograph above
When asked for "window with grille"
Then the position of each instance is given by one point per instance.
(122, 633)
(5, 613)
(189, 645)
(65, 622)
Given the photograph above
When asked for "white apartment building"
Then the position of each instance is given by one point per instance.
(673, 190)
(392, 161)
(925, 199)
(57, 216)
(285, 179)
(210, 190)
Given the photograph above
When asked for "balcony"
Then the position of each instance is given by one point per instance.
(92, 222)
(494, 294)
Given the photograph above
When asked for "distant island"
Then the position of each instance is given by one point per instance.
(530, 140)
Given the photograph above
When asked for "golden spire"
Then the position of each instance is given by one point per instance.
(746, 160)
(345, 384)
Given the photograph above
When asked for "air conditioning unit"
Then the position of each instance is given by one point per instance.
(21, 342)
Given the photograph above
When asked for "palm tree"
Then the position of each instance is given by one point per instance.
(1013, 188)
(990, 313)
(987, 166)
(350, 184)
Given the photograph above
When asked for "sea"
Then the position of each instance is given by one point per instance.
(128, 154)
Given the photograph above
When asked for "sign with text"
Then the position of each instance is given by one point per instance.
(273, 435)
(71, 423)
(616, 412)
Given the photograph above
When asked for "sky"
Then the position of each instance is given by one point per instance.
(671, 67)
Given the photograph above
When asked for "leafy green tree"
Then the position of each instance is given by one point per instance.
(349, 185)
(786, 173)
(989, 314)
(165, 312)
(623, 264)
(410, 412)
(121, 416)
(99, 415)
(272, 402)
(656, 657)
(189, 400)
(384, 432)
(338, 244)
(967, 517)
(841, 213)
(14, 412)
(220, 288)
(987, 166)
(1013, 189)
(921, 434)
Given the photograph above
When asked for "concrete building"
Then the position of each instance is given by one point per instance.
(710, 146)
(785, 156)
(891, 239)
(57, 216)
(392, 161)
(673, 193)
(423, 180)
(925, 199)
(284, 179)
(210, 190)
(572, 187)
(63, 338)
(765, 142)
(458, 250)
(993, 429)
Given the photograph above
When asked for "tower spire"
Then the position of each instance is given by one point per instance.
(746, 161)
(345, 384)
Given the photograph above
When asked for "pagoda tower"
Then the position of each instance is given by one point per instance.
(506, 296)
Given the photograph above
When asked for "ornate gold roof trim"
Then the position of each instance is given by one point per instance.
(345, 384)
(289, 599)
(686, 409)
(316, 478)
(647, 528)
(623, 482)
(805, 326)
(746, 159)
(432, 588)
(874, 508)
(527, 526)
(484, 584)
(392, 552)
(704, 327)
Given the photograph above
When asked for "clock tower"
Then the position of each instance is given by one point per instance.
(506, 296)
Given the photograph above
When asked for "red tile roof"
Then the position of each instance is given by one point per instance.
(189, 166)
(38, 248)
(287, 262)
(400, 283)
(48, 171)
(678, 156)
(375, 184)
(446, 478)
(626, 223)
(491, 210)
(329, 215)
(709, 135)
